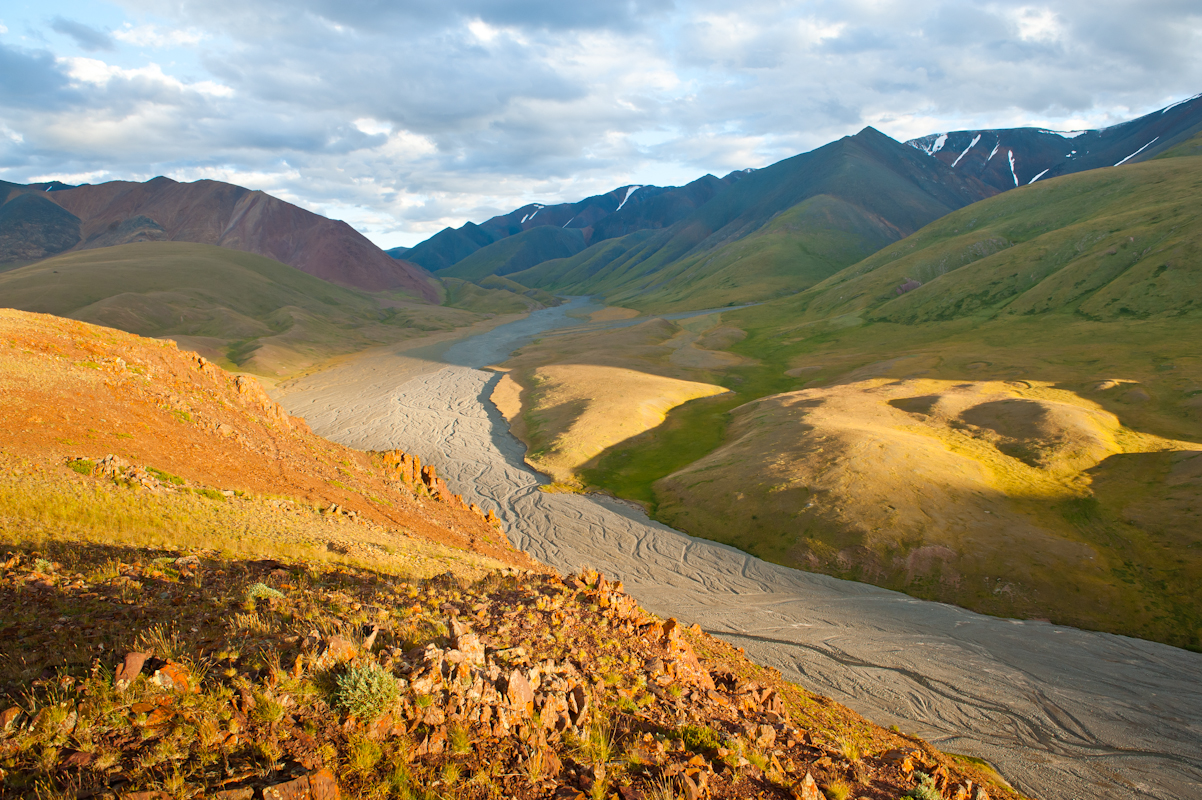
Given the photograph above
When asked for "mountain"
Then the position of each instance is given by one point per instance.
(203, 598)
(777, 230)
(239, 308)
(625, 209)
(205, 212)
(1014, 157)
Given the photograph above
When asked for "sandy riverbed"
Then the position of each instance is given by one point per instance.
(1062, 713)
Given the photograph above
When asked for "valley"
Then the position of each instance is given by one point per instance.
(1059, 711)
(915, 425)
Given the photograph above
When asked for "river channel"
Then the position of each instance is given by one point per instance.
(1063, 714)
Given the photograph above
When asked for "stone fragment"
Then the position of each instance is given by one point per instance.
(338, 650)
(129, 669)
(324, 786)
(173, 677)
(578, 704)
(519, 694)
(8, 718)
(981, 794)
(901, 759)
(291, 790)
(240, 793)
(807, 789)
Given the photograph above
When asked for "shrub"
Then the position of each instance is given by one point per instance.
(261, 591)
(926, 789)
(366, 691)
(84, 466)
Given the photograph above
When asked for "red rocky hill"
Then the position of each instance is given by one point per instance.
(207, 212)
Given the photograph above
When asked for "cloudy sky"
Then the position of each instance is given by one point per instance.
(404, 116)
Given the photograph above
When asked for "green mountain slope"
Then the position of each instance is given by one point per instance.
(236, 307)
(1106, 244)
(777, 230)
(516, 253)
(1002, 411)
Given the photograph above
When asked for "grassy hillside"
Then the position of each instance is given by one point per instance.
(516, 253)
(1028, 408)
(776, 231)
(199, 597)
(240, 309)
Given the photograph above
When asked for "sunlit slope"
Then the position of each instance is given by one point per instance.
(246, 309)
(1017, 431)
(778, 230)
(1107, 244)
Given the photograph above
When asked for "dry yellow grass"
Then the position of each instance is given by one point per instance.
(610, 313)
(42, 505)
(575, 411)
(912, 482)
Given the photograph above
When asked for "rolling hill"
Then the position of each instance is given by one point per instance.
(238, 308)
(40, 220)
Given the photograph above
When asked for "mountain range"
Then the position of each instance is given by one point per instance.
(756, 234)
(41, 220)
(1014, 157)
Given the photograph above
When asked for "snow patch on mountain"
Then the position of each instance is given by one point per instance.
(993, 152)
(1137, 152)
(1012, 172)
(1040, 175)
(973, 144)
(1067, 134)
(629, 191)
(1180, 103)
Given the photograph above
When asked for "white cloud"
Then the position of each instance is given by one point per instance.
(99, 73)
(1038, 24)
(150, 35)
(3, 29)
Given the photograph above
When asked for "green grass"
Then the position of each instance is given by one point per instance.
(258, 314)
(518, 252)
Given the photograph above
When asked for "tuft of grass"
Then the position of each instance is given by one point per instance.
(366, 691)
(261, 591)
(837, 790)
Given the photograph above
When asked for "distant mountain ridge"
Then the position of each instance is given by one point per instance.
(41, 220)
(616, 213)
(1012, 157)
(778, 230)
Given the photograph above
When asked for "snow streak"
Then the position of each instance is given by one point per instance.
(1012, 172)
(1037, 177)
(629, 191)
(966, 149)
(1137, 152)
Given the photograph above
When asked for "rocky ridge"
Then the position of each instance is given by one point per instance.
(266, 680)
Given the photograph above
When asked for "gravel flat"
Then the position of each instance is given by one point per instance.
(1062, 713)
